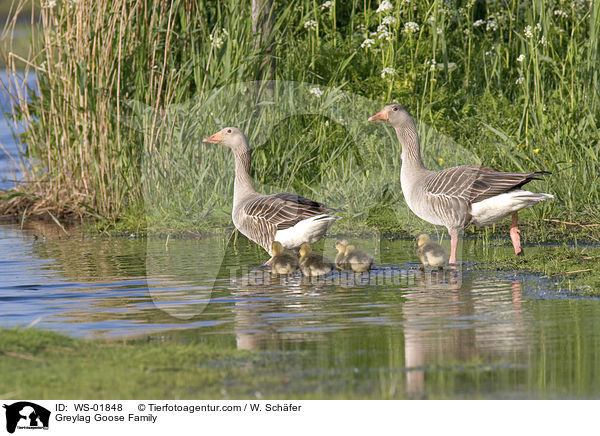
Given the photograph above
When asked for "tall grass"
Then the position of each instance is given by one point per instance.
(127, 89)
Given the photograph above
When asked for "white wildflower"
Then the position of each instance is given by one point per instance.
(384, 33)
(411, 27)
(361, 28)
(560, 13)
(225, 32)
(439, 31)
(310, 25)
(368, 43)
(384, 6)
(387, 72)
(327, 5)
(491, 26)
(521, 58)
(520, 80)
(478, 23)
(389, 20)
(501, 18)
(528, 32)
(543, 41)
(432, 64)
(48, 4)
(216, 41)
(539, 27)
(316, 92)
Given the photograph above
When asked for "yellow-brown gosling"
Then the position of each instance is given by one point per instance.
(313, 264)
(282, 262)
(358, 260)
(340, 257)
(430, 253)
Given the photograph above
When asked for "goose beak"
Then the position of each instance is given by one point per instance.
(214, 139)
(383, 116)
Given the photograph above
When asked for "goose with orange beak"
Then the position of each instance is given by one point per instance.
(287, 218)
(460, 196)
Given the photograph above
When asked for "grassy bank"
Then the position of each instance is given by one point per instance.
(43, 364)
(127, 89)
(572, 269)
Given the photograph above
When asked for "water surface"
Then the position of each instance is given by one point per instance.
(10, 150)
(397, 333)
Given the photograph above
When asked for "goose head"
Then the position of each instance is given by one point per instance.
(395, 114)
(276, 248)
(231, 137)
(305, 250)
(422, 240)
(341, 245)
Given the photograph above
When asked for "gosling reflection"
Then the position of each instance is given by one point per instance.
(446, 323)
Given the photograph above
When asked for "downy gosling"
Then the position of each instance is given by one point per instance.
(282, 262)
(430, 253)
(349, 258)
(313, 264)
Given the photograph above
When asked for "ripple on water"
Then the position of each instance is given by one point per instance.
(365, 329)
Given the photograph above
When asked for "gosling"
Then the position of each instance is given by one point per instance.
(313, 264)
(358, 260)
(340, 257)
(430, 253)
(282, 263)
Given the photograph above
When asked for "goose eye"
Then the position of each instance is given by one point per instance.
(228, 130)
(395, 109)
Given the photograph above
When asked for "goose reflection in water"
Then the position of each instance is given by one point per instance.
(449, 322)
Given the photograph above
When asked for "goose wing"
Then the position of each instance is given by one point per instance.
(266, 214)
(472, 184)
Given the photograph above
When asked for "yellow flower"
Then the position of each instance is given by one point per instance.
(536, 150)
(440, 160)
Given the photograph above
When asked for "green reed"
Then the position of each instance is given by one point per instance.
(127, 89)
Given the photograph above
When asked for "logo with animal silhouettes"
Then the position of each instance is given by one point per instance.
(26, 415)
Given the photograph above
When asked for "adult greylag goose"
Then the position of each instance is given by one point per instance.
(287, 218)
(350, 258)
(313, 264)
(429, 252)
(282, 263)
(460, 196)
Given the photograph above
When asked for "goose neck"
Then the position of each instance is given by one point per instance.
(242, 186)
(411, 150)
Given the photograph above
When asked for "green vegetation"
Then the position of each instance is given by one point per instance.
(576, 270)
(42, 364)
(127, 89)
(187, 364)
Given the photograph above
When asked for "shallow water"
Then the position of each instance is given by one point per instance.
(10, 162)
(394, 334)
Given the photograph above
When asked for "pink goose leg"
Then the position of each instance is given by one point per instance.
(453, 245)
(514, 234)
